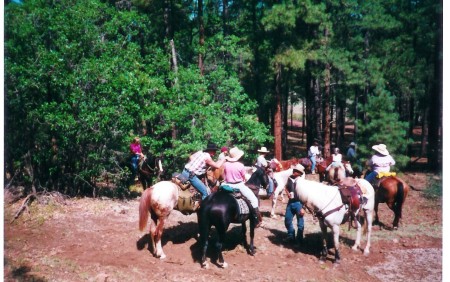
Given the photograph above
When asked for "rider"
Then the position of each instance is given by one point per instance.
(313, 153)
(136, 153)
(197, 166)
(352, 157)
(223, 153)
(336, 160)
(262, 162)
(294, 206)
(234, 176)
(381, 161)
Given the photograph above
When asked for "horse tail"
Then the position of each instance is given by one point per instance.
(144, 208)
(399, 198)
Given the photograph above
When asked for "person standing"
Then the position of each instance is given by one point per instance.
(234, 176)
(262, 162)
(313, 153)
(197, 166)
(352, 157)
(294, 207)
(381, 161)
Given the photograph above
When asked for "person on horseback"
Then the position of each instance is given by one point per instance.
(336, 160)
(197, 166)
(136, 153)
(294, 207)
(380, 162)
(262, 162)
(313, 153)
(223, 153)
(234, 176)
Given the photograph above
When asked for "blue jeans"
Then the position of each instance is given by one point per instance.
(313, 161)
(270, 188)
(134, 162)
(197, 183)
(293, 208)
(371, 176)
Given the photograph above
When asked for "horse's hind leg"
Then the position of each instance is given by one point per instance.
(324, 252)
(158, 234)
(221, 239)
(336, 229)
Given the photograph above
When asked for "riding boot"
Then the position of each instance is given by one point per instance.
(299, 238)
(257, 217)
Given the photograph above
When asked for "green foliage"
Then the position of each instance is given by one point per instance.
(434, 190)
(383, 126)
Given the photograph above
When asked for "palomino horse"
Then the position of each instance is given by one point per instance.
(392, 191)
(281, 179)
(149, 167)
(220, 209)
(159, 200)
(326, 203)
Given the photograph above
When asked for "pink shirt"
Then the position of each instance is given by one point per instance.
(135, 148)
(233, 172)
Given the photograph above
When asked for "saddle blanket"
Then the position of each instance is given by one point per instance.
(243, 207)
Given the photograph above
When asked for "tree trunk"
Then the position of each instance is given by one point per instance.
(277, 116)
(327, 114)
(201, 35)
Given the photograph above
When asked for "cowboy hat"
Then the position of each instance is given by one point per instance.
(211, 147)
(381, 148)
(235, 154)
(263, 150)
(299, 167)
(352, 144)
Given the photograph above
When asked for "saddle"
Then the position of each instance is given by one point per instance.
(381, 177)
(352, 196)
(243, 202)
(188, 197)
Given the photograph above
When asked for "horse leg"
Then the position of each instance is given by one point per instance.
(376, 221)
(204, 228)
(252, 237)
(398, 205)
(368, 229)
(152, 231)
(275, 194)
(221, 231)
(336, 229)
(324, 252)
(358, 236)
(158, 235)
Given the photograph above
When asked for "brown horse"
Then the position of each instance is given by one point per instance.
(392, 191)
(306, 163)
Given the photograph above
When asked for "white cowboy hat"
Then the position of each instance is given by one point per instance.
(299, 167)
(381, 148)
(263, 150)
(235, 154)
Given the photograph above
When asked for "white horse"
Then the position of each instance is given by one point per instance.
(158, 200)
(325, 202)
(281, 178)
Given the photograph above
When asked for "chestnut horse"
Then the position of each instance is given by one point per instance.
(392, 191)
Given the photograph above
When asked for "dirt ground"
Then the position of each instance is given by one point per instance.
(98, 240)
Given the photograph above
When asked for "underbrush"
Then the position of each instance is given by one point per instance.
(434, 190)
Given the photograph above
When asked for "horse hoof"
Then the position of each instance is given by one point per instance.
(223, 265)
(205, 265)
(366, 253)
(163, 256)
(274, 216)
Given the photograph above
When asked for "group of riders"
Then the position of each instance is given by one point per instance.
(234, 174)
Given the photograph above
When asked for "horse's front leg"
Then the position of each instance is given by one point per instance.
(336, 229)
(368, 229)
(275, 194)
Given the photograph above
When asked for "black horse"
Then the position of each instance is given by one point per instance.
(148, 168)
(220, 209)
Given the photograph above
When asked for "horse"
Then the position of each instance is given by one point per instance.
(337, 174)
(323, 173)
(220, 209)
(149, 167)
(159, 201)
(306, 163)
(392, 191)
(325, 202)
(281, 179)
(278, 166)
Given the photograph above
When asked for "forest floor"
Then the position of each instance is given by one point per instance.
(85, 239)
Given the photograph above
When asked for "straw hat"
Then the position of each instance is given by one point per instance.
(299, 167)
(235, 154)
(263, 150)
(381, 148)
